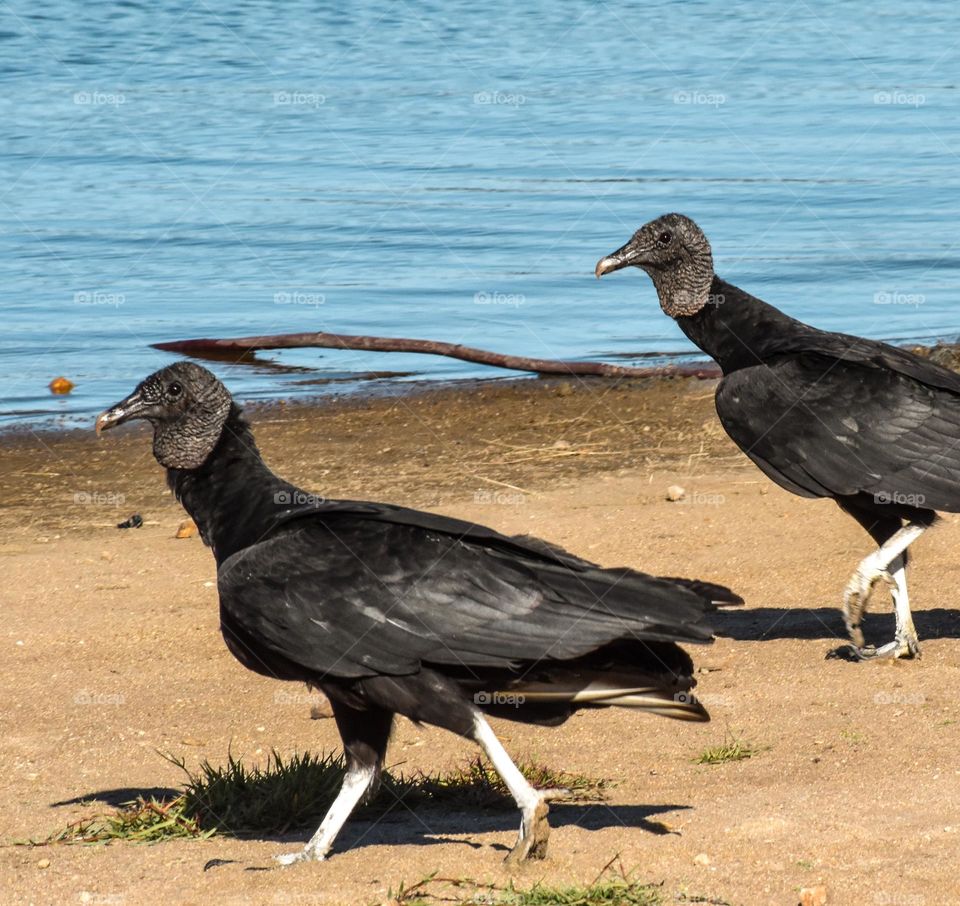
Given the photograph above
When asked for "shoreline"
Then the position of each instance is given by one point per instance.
(388, 385)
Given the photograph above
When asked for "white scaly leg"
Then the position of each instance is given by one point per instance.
(534, 828)
(857, 594)
(355, 783)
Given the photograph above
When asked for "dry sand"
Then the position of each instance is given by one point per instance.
(112, 652)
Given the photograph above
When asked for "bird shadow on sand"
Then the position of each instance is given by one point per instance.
(765, 624)
(437, 825)
(427, 825)
(120, 796)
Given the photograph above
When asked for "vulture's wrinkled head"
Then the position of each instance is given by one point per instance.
(187, 407)
(675, 253)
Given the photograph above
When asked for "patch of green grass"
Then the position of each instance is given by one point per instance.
(295, 792)
(854, 737)
(139, 821)
(604, 891)
(733, 750)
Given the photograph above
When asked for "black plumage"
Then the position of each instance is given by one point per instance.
(823, 414)
(393, 611)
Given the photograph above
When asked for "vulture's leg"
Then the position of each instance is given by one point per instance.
(888, 563)
(534, 827)
(365, 735)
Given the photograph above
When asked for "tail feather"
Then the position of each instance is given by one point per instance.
(623, 691)
(717, 595)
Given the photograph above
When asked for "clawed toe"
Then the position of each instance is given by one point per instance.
(900, 647)
(301, 855)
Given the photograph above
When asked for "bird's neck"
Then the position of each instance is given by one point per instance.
(233, 497)
(736, 329)
(684, 289)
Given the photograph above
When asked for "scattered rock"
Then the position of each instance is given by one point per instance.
(135, 521)
(188, 528)
(562, 444)
(106, 555)
(565, 390)
(61, 385)
(43, 863)
(675, 492)
(701, 859)
(813, 896)
(192, 741)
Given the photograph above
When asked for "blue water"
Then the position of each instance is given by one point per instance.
(180, 169)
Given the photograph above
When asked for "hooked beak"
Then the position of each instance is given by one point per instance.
(126, 410)
(626, 256)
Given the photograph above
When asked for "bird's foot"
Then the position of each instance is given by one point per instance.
(307, 854)
(904, 645)
(855, 598)
(534, 834)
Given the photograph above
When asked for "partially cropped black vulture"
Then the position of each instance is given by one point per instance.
(823, 414)
(393, 611)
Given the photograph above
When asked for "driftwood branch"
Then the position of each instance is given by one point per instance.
(217, 347)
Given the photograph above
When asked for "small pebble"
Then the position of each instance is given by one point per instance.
(187, 529)
(43, 863)
(701, 859)
(675, 492)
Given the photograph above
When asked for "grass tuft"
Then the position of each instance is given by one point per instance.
(295, 792)
(607, 889)
(734, 750)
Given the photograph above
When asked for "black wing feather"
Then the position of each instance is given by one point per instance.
(347, 594)
(826, 426)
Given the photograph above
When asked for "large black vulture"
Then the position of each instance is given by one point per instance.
(823, 414)
(393, 611)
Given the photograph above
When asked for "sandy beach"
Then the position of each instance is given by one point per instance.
(113, 653)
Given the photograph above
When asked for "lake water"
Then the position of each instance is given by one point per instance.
(448, 170)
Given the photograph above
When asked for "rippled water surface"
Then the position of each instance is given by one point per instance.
(447, 170)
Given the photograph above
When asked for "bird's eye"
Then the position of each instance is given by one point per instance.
(664, 238)
(174, 389)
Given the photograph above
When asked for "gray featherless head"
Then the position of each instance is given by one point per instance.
(187, 407)
(676, 254)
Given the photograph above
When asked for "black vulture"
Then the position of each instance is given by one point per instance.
(823, 414)
(391, 611)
